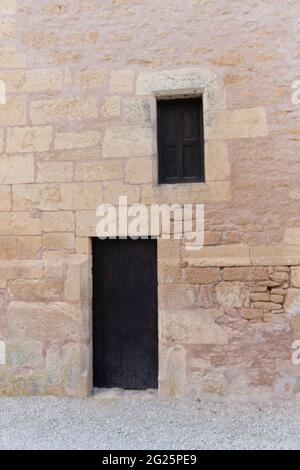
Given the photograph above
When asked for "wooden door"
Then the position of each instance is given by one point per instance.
(125, 330)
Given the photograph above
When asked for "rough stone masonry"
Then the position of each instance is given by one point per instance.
(79, 128)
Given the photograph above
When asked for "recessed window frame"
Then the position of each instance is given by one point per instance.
(181, 179)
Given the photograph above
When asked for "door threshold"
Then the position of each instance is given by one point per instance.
(121, 394)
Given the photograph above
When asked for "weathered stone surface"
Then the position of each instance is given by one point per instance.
(228, 295)
(295, 276)
(74, 140)
(125, 142)
(5, 198)
(99, 171)
(193, 327)
(138, 110)
(35, 290)
(54, 172)
(13, 112)
(32, 81)
(46, 111)
(252, 313)
(292, 236)
(58, 221)
(29, 139)
(8, 7)
(16, 169)
(121, 82)
(172, 374)
(292, 302)
(237, 124)
(223, 255)
(26, 354)
(58, 241)
(217, 165)
(201, 275)
(19, 223)
(11, 58)
(245, 274)
(139, 170)
(111, 107)
(163, 82)
(56, 321)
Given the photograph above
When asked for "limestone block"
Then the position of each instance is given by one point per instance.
(139, 170)
(25, 354)
(193, 327)
(217, 165)
(91, 78)
(48, 111)
(8, 7)
(201, 275)
(172, 374)
(245, 274)
(54, 171)
(122, 82)
(7, 29)
(11, 58)
(76, 358)
(5, 198)
(28, 247)
(222, 255)
(55, 321)
(111, 107)
(13, 112)
(236, 124)
(228, 295)
(58, 241)
(77, 140)
(292, 236)
(292, 302)
(99, 171)
(178, 80)
(58, 221)
(16, 169)
(19, 223)
(295, 276)
(29, 139)
(125, 142)
(35, 290)
(138, 110)
(275, 255)
(32, 81)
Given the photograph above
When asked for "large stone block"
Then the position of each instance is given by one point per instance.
(111, 107)
(51, 322)
(236, 124)
(16, 169)
(13, 112)
(139, 170)
(99, 171)
(8, 7)
(57, 196)
(77, 140)
(228, 295)
(172, 371)
(295, 276)
(25, 354)
(125, 142)
(29, 139)
(292, 302)
(7, 29)
(58, 241)
(19, 223)
(193, 327)
(5, 198)
(247, 273)
(201, 275)
(35, 290)
(54, 172)
(122, 82)
(47, 111)
(29, 246)
(217, 165)
(292, 236)
(11, 58)
(58, 221)
(178, 80)
(32, 81)
(222, 255)
(89, 78)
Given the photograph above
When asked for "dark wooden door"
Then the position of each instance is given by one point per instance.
(125, 330)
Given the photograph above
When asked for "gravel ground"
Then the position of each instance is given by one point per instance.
(53, 423)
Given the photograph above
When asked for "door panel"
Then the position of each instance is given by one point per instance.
(125, 330)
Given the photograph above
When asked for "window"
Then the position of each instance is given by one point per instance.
(180, 141)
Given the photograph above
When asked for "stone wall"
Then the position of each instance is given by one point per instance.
(79, 128)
